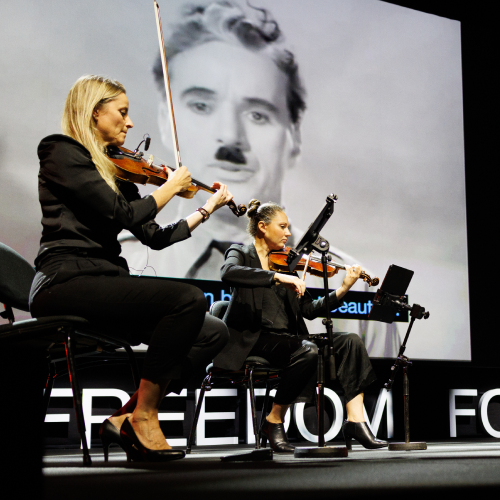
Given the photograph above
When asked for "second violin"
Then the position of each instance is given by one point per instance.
(311, 265)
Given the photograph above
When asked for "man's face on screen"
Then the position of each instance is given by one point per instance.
(232, 119)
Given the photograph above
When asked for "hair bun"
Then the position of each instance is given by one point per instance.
(253, 206)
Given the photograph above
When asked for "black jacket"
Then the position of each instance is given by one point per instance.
(82, 216)
(243, 272)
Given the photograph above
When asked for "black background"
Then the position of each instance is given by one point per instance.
(479, 28)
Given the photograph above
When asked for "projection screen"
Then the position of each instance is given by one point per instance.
(382, 129)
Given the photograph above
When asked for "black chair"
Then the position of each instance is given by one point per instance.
(56, 337)
(256, 369)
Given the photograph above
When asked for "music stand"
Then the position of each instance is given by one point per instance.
(389, 300)
(309, 242)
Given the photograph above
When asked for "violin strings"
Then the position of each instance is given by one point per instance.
(193, 181)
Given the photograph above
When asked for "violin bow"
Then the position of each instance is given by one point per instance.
(237, 210)
(168, 92)
(306, 267)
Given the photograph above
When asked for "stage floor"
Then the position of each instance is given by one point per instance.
(444, 467)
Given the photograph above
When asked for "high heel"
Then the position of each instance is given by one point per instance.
(276, 435)
(348, 442)
(137, 452)
(109, 434)
(263, 441)
(362, 434)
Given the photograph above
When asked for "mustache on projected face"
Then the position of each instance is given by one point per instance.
(232, 154)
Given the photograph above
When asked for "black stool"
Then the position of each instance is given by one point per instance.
(255, 369)
(54, 337)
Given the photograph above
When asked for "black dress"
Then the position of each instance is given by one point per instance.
(248, 320)
(80, 271)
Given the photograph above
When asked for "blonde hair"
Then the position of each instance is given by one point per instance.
(88, 93)
(261, 212)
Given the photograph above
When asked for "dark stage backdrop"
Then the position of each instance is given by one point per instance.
(383, 130)
(479, 36)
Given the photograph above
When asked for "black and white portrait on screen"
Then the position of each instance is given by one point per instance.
(381, 128)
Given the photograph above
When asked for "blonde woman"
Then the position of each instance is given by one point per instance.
(80, 271)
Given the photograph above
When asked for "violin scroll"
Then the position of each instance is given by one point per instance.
(237, 210)
(371, 281)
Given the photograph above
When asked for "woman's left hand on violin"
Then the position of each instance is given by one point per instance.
(352, 275)
(219, 199)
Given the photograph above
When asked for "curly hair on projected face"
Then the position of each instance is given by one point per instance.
(226, 22)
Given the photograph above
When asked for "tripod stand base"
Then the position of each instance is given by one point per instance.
(407, 446)
(325, 452)
(254, 456)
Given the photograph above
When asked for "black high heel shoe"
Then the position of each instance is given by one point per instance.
(109, 434)
(276, 435)
(362, 434)
(137, 452)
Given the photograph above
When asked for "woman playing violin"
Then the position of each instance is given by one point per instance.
(265, 318)
(80, 271)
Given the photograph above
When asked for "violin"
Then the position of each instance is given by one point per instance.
(131, 166)
(311, 265)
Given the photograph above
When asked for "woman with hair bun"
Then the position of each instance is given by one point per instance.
(80, 271)
(265, 318)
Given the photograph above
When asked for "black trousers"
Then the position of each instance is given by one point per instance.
(169, 316)
(299, 360)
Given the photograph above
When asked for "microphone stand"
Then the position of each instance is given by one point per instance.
(416, 312)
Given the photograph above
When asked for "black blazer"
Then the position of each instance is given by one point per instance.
(82, 216)
(243, 272)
